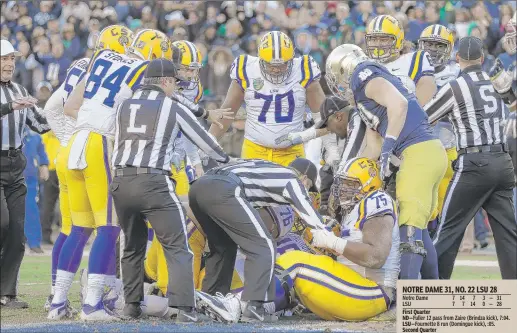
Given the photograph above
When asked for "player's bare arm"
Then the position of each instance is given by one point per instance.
(74, 102)
(233, 101)
(315, 96)
(385, 94)
(372, 148)
(425, 89)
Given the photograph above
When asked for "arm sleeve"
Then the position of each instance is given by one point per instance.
(198, 135)
(238, 71)
(5, 109)
(193, 107)
(36, 121)
(42, 154)
(420, 66)
(355, 140)
(441, 104)
(297, 196)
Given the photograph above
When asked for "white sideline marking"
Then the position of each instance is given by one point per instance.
(476, 263)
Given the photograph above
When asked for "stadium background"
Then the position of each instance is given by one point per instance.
(52, 34)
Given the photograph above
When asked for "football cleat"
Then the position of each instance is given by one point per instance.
(191, 317)
(225, 309)
(60, 311)
(252, 313)
(97, 313)
(48, 303)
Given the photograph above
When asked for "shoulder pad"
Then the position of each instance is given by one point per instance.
(377, 203)
(310, 70)
(238, 71)
(420, 66)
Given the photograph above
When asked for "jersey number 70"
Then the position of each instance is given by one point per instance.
(268, 99)
(112, 83)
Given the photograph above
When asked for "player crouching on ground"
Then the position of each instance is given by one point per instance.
(361, 283)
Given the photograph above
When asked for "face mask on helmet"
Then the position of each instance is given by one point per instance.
(349, 192)
(188, 76)
(380, 47)
(276, 73)
(438, 51)
(337, 89)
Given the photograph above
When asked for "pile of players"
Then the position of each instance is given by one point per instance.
(345, 272)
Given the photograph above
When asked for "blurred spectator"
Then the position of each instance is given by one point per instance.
(36, 169)
(22, 73)
(71, 42)
(418, 23)
(219, 61)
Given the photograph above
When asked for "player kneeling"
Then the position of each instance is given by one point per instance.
(361, 283)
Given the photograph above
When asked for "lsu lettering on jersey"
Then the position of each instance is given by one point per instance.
(62, 125)
(375, 204)
(411, 67)
(111, 78)
(273, 110)
(416, 128)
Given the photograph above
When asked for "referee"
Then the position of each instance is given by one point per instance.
(17, 110)
(227, 215)
(147, 126)
(483, 173)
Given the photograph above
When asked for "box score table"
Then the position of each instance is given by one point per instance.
(443, 306)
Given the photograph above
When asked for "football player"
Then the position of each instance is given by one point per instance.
(384, 42)
(275, 86)
(63, 127)
(396, 125)
(438, 42)
(112, 76)
(505, 82)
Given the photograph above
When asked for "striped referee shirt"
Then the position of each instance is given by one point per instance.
(474, 108)
(269, 184)
(13, 123)
(355, 141)
(147, 127)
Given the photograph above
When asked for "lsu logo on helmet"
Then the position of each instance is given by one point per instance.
(115, 38)
(150, 44)
(384, 38)
(438, 41)
(276, 54)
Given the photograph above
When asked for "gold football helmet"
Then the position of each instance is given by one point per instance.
(189, 64)
(115, 38)
(510, 37)
(150, 44)
(340, 65)
(384, 37)
(276, 54)
(358, 177)
(438, 41)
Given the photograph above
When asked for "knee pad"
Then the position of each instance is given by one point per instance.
(411, 240)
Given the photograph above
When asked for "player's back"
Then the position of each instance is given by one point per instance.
(111, 78)
(273, 109)
(410, 67)
(416, 127)
(375, 204)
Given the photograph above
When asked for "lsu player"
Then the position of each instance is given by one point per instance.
(396, 125)
(276, 86)
(361, 283)
(112, 77)
(384, 42)
(505, 82)
(438, 42)
(62, 126)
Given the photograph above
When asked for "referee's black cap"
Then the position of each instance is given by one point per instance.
(161, 67)
(470, 48)
(330, 106)
(307, 168)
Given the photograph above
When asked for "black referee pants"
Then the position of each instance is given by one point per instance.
(48, 205)
(12, 237)
(228, 219)
(481, 180)
(152, 196)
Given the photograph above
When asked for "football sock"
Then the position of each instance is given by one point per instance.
(410, 262)
(56, 250)
(102, 263)
(430, 264)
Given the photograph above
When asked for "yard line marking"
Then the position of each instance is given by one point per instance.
(476, 263)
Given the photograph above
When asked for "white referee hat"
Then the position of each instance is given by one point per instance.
(7, 48)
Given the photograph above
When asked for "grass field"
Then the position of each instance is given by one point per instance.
(35, 287)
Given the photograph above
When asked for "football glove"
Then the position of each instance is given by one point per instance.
(385, 158)
(297, 138)
(326, 239)
(500, 78)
